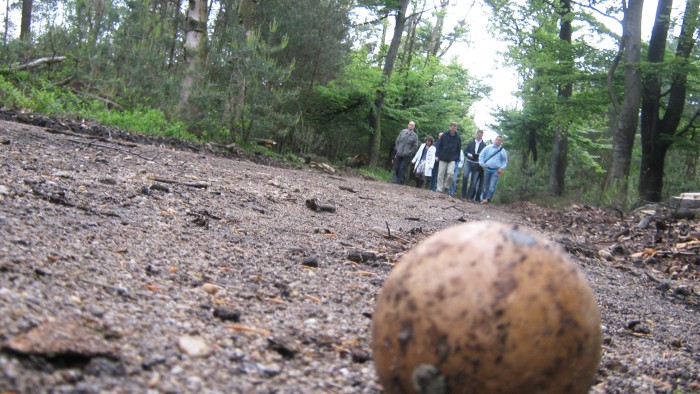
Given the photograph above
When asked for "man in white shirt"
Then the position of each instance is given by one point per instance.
(473, 173)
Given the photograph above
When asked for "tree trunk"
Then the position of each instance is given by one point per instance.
(248, 14)
(658, 132)
(176, 28)
(436, 34)
(625, 127)
(96, 22)
(195, 39)
(560, 143)
(7, 23)
(376, 112)
(25, 31)
(560, 148)
(692, 157)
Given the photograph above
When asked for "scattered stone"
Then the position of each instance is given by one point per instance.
(63, 174)
(159, 187)
(270, 369)
(683, 291)
(605, 255)
(310, 262)
(148, 364)
(227, 314)
(639, 327)
(281, 347)
(617, 249)
(56, 339)
(361, 257)
(42, 272)
(360, 356)
(194, 346)
(318, 207)
(258, 209)
(96, 311)
(101, 366)
(211, 288)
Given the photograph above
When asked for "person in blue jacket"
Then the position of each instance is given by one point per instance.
(493, 160)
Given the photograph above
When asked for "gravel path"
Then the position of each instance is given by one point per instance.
(129, 267)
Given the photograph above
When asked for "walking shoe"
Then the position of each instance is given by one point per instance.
(485, 202)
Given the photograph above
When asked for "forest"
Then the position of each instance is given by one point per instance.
(602, 117)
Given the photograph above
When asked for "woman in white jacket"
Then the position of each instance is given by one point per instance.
(423, 161)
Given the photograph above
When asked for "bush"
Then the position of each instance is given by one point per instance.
(146, 121)
(376, 173)
(12, 97)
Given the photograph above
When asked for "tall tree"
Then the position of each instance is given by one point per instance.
(436, 33)
(662, 112)
(25, 30)
(195, 40)
(376, 112)
(7, 24)
(627, 115)
(560, 142)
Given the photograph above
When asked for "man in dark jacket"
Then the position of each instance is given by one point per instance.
(448, 155)
(473, 173)
(406, 146)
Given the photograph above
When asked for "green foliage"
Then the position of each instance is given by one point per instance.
(24, 91)
(146, 121)
(247, 91)
(684, 165)
(11, 96)
(376, 173)
(46, 102)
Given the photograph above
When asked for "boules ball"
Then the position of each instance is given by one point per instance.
(486, 307)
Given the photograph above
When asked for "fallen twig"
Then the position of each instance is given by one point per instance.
(238, 327)
(198, 185)
(122, 291)
(60, 200)
(38, 62)
(113, 148)
(455, 207)
(312, 298)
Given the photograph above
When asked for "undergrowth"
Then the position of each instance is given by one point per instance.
(23, 90)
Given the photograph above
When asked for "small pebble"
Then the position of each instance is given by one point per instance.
(211, 288)
(225, 313)
(194, 346)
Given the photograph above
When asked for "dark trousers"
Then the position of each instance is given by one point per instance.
(398, 172)
(474, 174)
(420, 179)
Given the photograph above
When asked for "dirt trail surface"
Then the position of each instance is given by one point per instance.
(136, 265)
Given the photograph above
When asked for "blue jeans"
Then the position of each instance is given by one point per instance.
(433, 179)
(474, 174)
(490, 180)
(455, 180)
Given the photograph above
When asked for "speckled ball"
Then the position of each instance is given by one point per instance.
(486, 307)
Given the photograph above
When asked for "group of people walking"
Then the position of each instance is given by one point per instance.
(438, 162)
